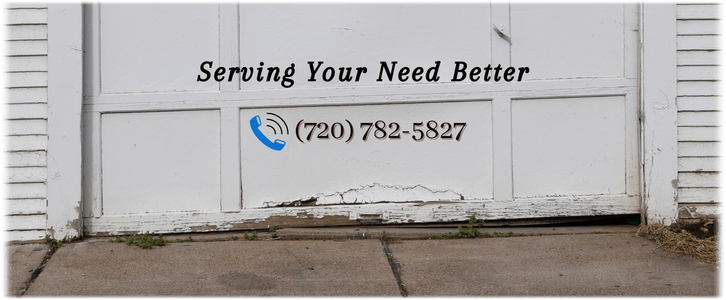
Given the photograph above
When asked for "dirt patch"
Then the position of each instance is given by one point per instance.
(696, 239)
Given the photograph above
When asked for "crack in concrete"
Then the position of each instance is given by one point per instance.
(395, 267)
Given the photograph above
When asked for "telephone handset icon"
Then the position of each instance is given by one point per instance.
(255, 124)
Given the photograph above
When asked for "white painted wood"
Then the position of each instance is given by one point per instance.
(658, 98)
(363, 35)
(25, 235)
(699, 103)
(698, 88)
(92, 47)
(697, 27)
(410, 33)
(698, 73)
(26, 159)
(697, 42)
(27, 127)
(138, 62)
(376, 170)
(698, 134)
(689, 149)
(697, 211)
(26, 190)
(25, 222)
(26, 206)
(27, 111)
(592, 48)
(700, 118)
(25, 174)
(230, 160)
(27, 143)
(26, 63)
(35, 5)
(364, 95)
(26, 32)
(160, 162)
(92, 205)
(502, 148)
(26, 16)
(698, 180)
(27, 95)
(698, 58)
(697, 12)
(698, 164)
(501, 106)
(392, 213)
(633, 167)
(39, 47)
(698, 195)
(560, 145)
(229, 41)
(65, 99)
(27, 79)
(631, 28)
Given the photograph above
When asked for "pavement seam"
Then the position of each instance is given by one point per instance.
(395, 267)
(26, 285)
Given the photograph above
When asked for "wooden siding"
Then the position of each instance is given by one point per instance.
(26, 107)
(698, 109)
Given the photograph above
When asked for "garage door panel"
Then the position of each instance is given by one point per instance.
(160, 162)
(412, 35)
(156, 48)
(568, 41)
(332, 171)
(571, 146)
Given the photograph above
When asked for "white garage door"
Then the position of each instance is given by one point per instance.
(219, 117)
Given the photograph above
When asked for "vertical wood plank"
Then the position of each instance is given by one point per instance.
(65, 100)
(229, 43)
(230, 159)
(660, 147)
(502, 148)
(501, 107)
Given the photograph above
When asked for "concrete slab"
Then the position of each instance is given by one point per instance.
(240, 268)
(22, 262)
(556, 265)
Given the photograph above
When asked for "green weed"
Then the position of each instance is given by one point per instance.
(189, 239)
(252, 236)
(276, 228)
(499, 234)
(145, 241)
(53, 242)
(232, 238)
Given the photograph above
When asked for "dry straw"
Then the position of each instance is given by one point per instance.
(680, 242)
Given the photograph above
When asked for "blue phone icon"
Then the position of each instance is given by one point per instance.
(255, 124)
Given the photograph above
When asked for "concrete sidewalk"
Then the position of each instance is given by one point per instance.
(352, 261)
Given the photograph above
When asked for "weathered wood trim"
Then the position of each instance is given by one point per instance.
(698, 195)
(697, 211)
(382, 213)
(26, 206)
(65, 99)
(658, 100)
(26, 236)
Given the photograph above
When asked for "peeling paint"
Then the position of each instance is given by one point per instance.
(384, 213)
(376, 193)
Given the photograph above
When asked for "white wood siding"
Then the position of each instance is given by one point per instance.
(698, 109)
(26, 107)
